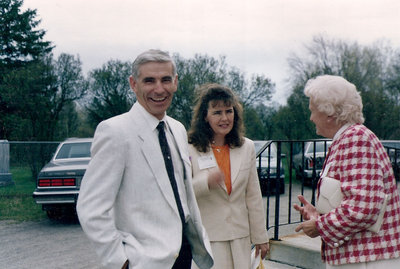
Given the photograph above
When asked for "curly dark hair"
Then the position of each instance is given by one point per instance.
(200, 134)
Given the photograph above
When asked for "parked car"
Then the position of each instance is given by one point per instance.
(306, 163)
(267, 160)
(393, 150)
(58, 182)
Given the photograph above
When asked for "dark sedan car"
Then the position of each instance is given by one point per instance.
(267, 160)
(58, 182)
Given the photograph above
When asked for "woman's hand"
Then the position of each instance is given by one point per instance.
(309, 227)
(310, 214)
(308, 211)
(263, 249)
(215, 177)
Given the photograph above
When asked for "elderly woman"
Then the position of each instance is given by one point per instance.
(360, 224)
(225, 179)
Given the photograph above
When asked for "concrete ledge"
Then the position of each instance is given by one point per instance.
(297, 250)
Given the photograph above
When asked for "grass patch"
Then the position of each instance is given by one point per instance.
(16, 202)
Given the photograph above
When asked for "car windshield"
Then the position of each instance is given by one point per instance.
(74, 150)
(320, 146)
(259, 144)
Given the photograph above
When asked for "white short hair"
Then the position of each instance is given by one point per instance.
(335, 96)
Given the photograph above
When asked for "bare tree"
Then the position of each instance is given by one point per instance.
(368, 67)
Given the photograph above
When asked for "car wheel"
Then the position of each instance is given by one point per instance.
(264, 188)
(269, 189)
(67, 214)
(54, 214)
(282, 187)
(299, 172)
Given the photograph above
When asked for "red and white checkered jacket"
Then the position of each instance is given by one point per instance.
(360, 162)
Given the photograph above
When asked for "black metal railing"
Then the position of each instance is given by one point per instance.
(299, 168)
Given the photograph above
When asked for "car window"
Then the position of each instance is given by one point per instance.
(259, 144)
(74, 150)
(320, 147)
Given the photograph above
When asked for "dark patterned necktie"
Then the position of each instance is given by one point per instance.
(170, 167)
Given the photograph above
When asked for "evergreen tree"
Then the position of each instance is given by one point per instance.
(21, 48)
(20, 42)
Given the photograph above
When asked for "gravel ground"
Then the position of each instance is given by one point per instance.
(61, 244)
(45, 245)
(54, 245)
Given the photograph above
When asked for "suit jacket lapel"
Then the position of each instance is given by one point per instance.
(235, 156)
(222, 183)
(181, 147)
(153, 155)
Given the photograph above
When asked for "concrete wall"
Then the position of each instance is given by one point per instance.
(5, 175)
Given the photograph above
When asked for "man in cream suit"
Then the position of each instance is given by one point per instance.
(126, 204)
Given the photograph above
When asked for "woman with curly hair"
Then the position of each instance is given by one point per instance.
(225, 178)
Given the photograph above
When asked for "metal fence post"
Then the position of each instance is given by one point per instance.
(5, 175)
(277, 190)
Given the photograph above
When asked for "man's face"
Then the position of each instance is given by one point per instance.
(155, 87)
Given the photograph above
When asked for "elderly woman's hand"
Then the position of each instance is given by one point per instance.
(308, 211)
(310, 214)
(309, 228)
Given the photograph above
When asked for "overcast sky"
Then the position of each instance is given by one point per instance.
(256, 36)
